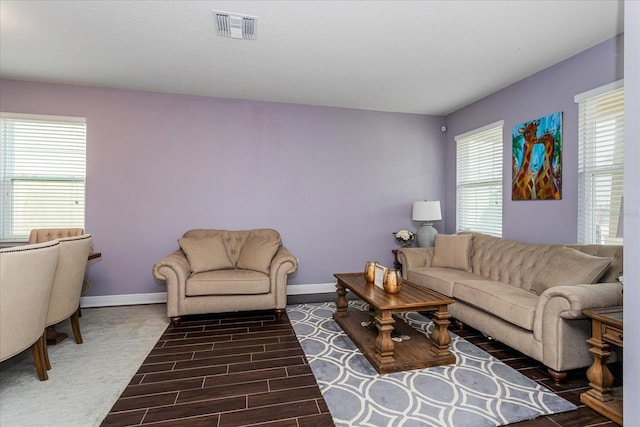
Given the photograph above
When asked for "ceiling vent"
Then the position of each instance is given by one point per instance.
(236, 26)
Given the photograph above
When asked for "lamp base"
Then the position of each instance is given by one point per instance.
(426, 235)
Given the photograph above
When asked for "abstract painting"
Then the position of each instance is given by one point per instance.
(537, 159)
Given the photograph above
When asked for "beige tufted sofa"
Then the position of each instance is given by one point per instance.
(527, 296)
(218, 271)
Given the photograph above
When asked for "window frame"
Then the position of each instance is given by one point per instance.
(494, 184)
(600, 158)
(67, 165)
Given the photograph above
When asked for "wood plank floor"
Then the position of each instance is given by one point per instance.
(248, 369)
(239, 369)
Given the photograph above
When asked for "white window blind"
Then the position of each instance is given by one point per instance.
(479, 180)
(600, 166)
(42, 173)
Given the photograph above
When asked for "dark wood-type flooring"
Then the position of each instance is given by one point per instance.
(248, 369)
(241, 369)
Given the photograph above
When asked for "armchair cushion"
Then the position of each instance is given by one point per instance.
(452, 251)
(205, 253)
(258, 251)
(228, 282)
(567, 266)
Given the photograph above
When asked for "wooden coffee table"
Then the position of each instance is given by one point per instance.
(382, 352)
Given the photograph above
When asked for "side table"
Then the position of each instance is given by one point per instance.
(396, 263)
(607, 328)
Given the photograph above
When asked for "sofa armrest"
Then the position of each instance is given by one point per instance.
(567, 302)
(282, 264)
(562, 328)
(411, 258)
(174, 270)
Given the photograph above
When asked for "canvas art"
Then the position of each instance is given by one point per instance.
(537, 159)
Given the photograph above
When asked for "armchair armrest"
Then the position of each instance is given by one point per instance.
(411, 258)
(282, 264)
(285, 261)
(567, 302)
(174, 270)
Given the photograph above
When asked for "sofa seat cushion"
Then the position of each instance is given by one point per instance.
(228, 282)
(510, 303)
(439, 279)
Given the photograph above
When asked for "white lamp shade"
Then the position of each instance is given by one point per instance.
(426, 211)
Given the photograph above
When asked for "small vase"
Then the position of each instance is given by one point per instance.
(370, 271)
(392, 281)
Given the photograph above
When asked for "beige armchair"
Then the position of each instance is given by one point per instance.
(221, 271)
(26, 282)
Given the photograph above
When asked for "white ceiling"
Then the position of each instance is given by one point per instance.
(427, 57)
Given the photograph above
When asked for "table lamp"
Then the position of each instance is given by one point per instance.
(426, 212)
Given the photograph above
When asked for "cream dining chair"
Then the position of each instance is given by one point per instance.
(40, 235)
(26, 281)
(67, 285)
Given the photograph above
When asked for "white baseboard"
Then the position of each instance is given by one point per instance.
(161, 297)
(126, 299)
(315, 288)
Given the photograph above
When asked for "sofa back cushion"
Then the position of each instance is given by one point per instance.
(507, 261)
(452, 251)
(567, 266)
(615, 252)
(205, 253)
(233, 243)
(519, 263)
(258, 251)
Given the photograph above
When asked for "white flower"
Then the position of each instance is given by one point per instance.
(404, 235)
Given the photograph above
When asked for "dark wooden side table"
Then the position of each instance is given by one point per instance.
(396, 263)
(606, 324)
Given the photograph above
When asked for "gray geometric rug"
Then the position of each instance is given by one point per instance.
(478, 390)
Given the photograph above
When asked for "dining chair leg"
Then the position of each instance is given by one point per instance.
(38, 359)
(75, 326)
(45, 351)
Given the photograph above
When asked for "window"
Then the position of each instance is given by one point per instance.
(479, 180)
(600, 164)
(42, 173)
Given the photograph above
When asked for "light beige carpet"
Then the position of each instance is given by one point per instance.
(85, 380)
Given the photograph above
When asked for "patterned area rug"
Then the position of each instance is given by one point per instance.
(479, 390)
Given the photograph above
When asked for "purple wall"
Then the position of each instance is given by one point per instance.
(335, 182)
(547, 92)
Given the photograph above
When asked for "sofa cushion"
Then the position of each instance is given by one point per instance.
(258, 251)
(452, 251)
(227, 282)
(439, 279)
(567, 266)
(510, 303)
(206, 253)
(507, 261)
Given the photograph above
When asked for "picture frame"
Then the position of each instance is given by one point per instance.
(536, 160)
(380, 272)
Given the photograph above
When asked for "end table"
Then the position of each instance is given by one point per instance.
(606, 330)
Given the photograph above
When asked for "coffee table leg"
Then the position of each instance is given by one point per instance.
(440, 335)
(384, 343)
(341, 301)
